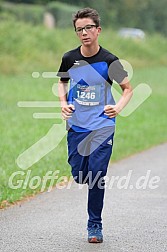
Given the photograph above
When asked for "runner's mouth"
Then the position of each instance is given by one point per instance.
(86, 39)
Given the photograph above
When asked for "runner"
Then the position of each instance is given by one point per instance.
(90, 111)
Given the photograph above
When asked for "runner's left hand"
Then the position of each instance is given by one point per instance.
(111, 110)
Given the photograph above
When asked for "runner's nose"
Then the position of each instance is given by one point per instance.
(84, 32)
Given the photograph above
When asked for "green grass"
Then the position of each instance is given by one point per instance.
(19, 131)
(37, 49)
(146, 126)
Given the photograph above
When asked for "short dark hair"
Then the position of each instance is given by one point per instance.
(87, 13)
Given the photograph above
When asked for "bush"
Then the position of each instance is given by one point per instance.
(23, 12)
(62, 13)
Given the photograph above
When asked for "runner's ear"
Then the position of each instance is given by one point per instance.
(99, 29)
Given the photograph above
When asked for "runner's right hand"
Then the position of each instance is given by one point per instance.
(67, 111)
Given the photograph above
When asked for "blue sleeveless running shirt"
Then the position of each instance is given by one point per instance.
(90, 87)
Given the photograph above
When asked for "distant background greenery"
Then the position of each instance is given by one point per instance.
(27, 46)
(149, 15)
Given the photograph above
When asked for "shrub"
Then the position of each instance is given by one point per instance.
(23, 12)
(62, 13)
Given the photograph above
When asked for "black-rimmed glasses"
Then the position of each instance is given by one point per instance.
(87, 28)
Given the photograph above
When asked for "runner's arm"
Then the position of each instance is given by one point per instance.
(66, 109)
(114, 110)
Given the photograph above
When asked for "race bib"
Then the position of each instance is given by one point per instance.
(87, 95)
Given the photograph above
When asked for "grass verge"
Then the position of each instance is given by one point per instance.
(36, 49)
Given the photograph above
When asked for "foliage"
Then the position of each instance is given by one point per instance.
(23, 12)
(62, 13)
(150, 15)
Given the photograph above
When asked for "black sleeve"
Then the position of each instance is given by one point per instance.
(116, 71)
(63, 70)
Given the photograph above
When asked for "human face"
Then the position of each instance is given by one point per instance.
(88, 31)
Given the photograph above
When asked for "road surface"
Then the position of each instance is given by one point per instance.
(134, 215)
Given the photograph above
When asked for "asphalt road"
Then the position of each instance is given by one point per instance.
(134, 219)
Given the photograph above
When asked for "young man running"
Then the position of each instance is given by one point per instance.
(90, 111)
